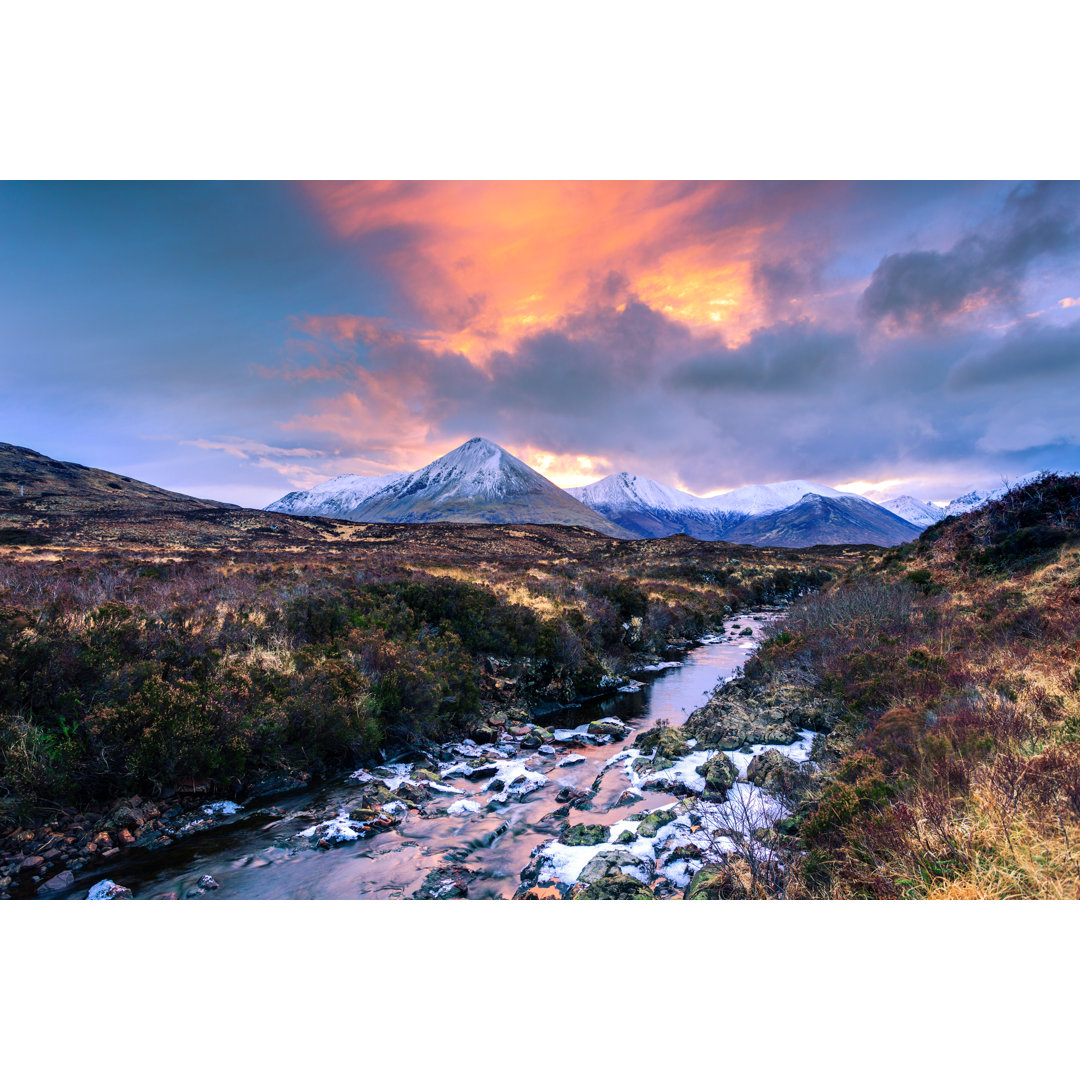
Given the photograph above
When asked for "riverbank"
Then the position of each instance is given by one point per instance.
(949, 668)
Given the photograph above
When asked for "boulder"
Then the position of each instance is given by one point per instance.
(773, 772)
(655, 821)
(616, 861)
(616, 887)
(610, 725)
(718, 881)
(126, 817)
(582, 835)
(571, 795)
(719, 774)
(445, 883)
(668, 742)
(108, 890)
(57, 884)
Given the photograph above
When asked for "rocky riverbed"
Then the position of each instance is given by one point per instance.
(668, 788)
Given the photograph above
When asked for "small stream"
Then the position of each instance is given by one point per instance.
(467, 827)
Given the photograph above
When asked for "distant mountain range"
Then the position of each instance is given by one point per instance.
(481, 482)
(791, 513)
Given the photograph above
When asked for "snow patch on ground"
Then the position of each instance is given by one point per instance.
(464, 806)
(797, 751)
(684, 771)
(222, 809)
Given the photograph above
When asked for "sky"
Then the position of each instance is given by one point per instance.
(239, 340)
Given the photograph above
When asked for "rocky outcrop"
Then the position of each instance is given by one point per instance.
(740, 716)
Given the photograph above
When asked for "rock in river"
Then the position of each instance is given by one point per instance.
(582, 835)
(108, 890)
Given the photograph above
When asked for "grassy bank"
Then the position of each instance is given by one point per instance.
(953, 667)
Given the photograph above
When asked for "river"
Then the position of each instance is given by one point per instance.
(260, 852)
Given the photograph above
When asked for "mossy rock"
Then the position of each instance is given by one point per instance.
(543, 734)
(625, 837)
(582, 835)
(609, 726)
(684, 851)
(715, 882)
(655, 821)
(427, 774)
(719, 773)
(668, 742)
(774, 772)
(616, 887)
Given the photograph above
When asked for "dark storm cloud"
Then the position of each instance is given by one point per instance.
(782, 360)
(918, 288)
(780, 282)
(1030, 355)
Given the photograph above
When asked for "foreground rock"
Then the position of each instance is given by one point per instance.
(108, 890)
(775, 773)
(616, 887)
(446, 883)
(610, 862)
(719, 773)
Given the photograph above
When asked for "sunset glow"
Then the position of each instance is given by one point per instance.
(884, 338)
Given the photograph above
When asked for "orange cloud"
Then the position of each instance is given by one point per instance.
(482, 263)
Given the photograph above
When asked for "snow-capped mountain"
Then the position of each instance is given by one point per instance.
(979, 497)
(647, 508)
(824, 519)
(337, 498)
(477, 482)
(923, 514)
(756, 499)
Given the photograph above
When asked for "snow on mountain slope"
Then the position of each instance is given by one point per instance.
(979, 497)
(647, 508)
(479, 482)
(822, 519)
(625, 489)
(336, 497)
(766, 498)
(922, 514)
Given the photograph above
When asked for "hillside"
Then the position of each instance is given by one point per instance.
(947, 674)
(30, 481)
